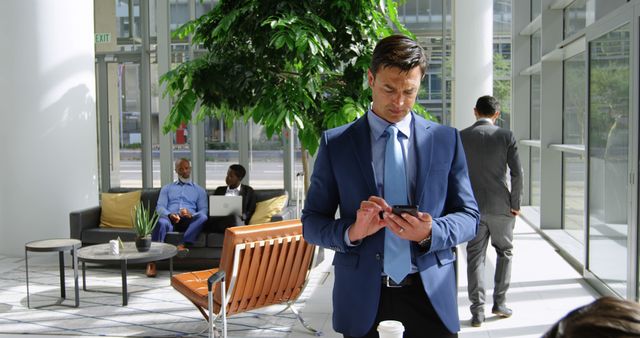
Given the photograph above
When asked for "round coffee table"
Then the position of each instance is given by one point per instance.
(101, 253)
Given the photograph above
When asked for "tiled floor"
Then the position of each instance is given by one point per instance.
(544, 288)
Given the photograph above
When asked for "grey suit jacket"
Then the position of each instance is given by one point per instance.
(489, 150)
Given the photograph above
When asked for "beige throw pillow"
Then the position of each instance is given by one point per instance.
(117, 209)
(268, 208)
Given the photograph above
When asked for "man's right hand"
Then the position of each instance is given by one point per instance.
(185, 213)
(368, 219)
(174, 218)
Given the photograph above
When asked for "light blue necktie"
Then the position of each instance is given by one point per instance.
(397, 254)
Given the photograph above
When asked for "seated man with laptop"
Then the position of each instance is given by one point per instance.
(233, 204)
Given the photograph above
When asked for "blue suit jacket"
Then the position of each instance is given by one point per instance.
(343, 177)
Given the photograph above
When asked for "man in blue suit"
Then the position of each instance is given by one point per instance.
(349, 174)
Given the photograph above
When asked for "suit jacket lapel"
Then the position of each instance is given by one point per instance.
(424, 150)
(361, 141)
(245, 200)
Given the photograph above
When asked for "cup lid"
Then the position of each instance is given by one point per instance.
(391, 326)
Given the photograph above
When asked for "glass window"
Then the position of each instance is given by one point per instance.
(156, 129)
(421, 15)
(431, 21)
(573, 178)
(535, 8)
(501, 17)
(431, 87)
(535, 178)
(267, 160)
(535, 135)
(179, 12)
(127, 163)
(130, 126)
(502, 83)
(124, 16)
(608, 149)
(221, 150)
(575, 91)
(535, 47)
(204, 6)
(181, 51)
(535, 107)
(501, 47)
(435, 86)
(502, 59)
(575, 17)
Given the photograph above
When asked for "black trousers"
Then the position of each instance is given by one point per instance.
(220, 223)
(411, 306)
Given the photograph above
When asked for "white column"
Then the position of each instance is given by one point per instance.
(48, 118)
(473, 60)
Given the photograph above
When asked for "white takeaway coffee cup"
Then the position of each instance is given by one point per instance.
(115, 247)
(390, 329)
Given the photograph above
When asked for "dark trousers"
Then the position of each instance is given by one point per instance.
(220, 223)
(499, 230)
(411, 306)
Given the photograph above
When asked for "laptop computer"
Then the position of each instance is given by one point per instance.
(220, 205)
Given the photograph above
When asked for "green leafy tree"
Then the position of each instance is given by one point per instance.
(281, 63)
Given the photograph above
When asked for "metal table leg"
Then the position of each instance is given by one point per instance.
(84, 279)
(26, 269)
(123, 267)
(74, 261)
(63, 291)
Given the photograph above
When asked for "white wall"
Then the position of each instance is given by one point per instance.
(473, 25)
(48, 116)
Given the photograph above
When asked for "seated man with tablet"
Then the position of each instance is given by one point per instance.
(225, 201)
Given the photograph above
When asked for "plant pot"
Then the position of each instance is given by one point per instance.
(143, 244)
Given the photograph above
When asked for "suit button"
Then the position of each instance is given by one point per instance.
(378, 256)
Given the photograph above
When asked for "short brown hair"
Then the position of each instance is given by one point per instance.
(398, 51)
(608, 317)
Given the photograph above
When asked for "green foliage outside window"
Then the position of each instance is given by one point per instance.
(502, 84)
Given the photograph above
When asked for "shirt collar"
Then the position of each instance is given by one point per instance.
(485, 119)
(178, 182)
(378, 125)
(232, 189)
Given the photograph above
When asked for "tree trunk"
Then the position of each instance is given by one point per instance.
(305, 168)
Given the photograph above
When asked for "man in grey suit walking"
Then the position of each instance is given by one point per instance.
(489, 150)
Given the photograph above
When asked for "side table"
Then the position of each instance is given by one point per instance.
(60, 245)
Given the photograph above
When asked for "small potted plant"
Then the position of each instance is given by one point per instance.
(143, 223)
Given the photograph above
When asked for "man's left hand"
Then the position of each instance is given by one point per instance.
(410, 227)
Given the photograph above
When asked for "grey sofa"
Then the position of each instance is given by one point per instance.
(84, 225)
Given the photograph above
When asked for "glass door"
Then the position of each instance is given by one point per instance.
(118, 84)
(610, 192)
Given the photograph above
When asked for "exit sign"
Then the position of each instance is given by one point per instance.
(103, 38)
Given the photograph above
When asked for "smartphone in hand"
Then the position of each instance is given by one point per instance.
(409, 209)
